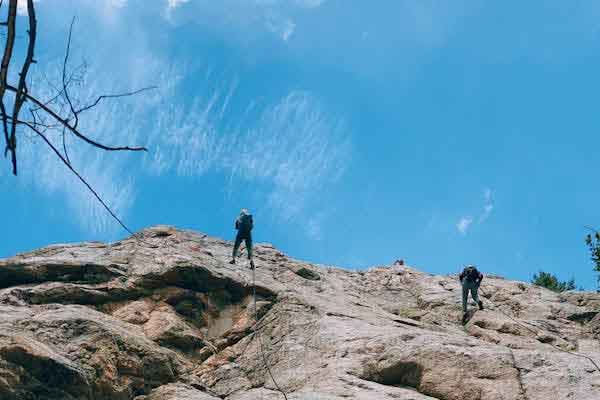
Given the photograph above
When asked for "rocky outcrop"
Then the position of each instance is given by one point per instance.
(163, 316)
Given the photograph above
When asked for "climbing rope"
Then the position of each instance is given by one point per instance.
(257, 332)
(537, 332)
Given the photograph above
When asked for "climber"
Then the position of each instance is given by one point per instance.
(470, 278)
(244, 225)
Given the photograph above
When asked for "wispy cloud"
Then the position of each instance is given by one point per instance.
(283, 27)
(110, 123)
(463, 224)
(290, 146)
(293, 145)
(289, 149)
(466, 222)
(172, 4)
(314, 227)
(40, 168)
(309, 3)
(488, 205)
(245, 17)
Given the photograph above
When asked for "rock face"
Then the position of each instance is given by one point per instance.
(163, 316)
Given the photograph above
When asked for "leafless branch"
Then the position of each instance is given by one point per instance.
(114, 96)
(64, 143)
(7, 56)
(64, 74)
(22, 88)
(73, 129)
(60, 113)
(78, 175)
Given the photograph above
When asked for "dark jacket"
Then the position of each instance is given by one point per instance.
(475, 276)
(244, 224)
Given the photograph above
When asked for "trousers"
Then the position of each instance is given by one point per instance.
(468, 286)
(239, 238)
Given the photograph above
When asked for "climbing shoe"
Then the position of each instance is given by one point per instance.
(251, 264)
(480, 305)
(464, 318)
(232, 261)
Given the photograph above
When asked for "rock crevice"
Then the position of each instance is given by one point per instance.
(167, 318)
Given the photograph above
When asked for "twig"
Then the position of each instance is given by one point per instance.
(64, 73)
(68, 165)
(64, 143)
(113, 96)
(65, 123)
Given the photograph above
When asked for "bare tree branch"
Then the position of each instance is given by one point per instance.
(58, 114)
(64, 74)
(114, 96)
(64, 143)
(60, 92)
(22, 88)
(65, 123)
(7, 56)
(5, 126)
(78, 175)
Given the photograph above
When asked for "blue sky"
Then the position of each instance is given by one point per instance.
(442, 133)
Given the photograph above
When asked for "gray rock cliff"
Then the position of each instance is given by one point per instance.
(163, 316)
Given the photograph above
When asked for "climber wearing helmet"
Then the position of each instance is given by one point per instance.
(244, 225)
(470, 278)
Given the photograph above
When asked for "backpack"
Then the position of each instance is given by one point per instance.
(245, 223)
(471, 273)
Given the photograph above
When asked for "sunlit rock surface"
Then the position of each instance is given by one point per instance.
(163, 316)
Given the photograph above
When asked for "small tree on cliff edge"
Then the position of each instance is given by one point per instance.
(593, 242)
(550, 281)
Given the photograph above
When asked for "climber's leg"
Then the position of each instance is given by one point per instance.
(249, 246)
(249, 250)
(236, 246)
(465, 295)
(475, 296)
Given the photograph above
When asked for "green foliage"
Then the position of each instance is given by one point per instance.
(551, 282)
(593, 242)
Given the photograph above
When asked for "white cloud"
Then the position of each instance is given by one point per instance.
(111, 123)
(466, 222)
(40, 168)
(280, 26)
(244, 20)
(286, 3)
(116, 3)
(292, 146)
(22, 6)
(313, 228)
(310, 3)
(488, 205)
(487, 194)
(463, 224)
(171, 4)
